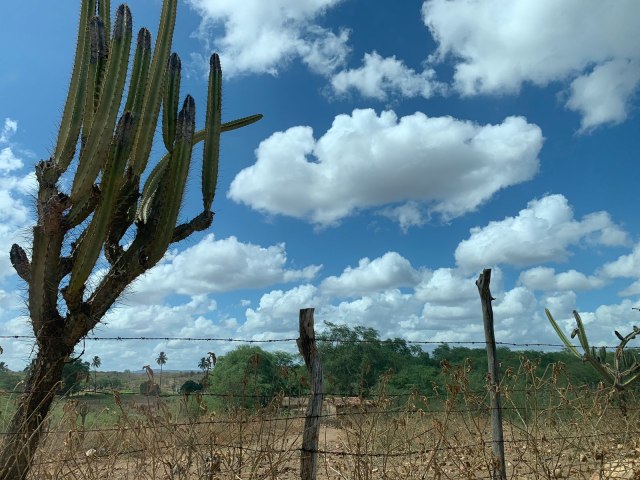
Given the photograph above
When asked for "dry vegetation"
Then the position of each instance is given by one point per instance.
(552, 430)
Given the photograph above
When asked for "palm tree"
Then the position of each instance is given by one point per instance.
(204, 364)
(95, 363)
(161, 360)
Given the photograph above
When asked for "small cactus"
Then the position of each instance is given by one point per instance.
(620, 370)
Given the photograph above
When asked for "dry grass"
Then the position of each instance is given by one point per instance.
(552, 430)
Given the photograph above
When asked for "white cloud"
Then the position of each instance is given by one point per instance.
(540, 233)
(500, 44)
(10, 127)
(408, 215)
(389, 271)
(516, 304)
(261, 36)
(277, 313)
(447, 286)
(379, 77)
(545, 278)
(218, 266)
(365, 160)
(603, 95)
(625, 266)
(383, 311)
(8, 160)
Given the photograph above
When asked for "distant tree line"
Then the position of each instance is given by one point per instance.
(357, 362)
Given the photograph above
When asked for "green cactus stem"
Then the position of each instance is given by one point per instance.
(213, 127)
(170, 101)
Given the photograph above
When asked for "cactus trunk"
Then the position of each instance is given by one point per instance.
(116, 153)
(26, 427)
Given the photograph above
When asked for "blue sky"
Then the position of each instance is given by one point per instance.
(405, 146)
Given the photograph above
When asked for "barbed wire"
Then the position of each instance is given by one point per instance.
(318, 339)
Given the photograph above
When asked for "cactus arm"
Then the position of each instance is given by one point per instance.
(20, 262)
(602, 369)
(97, 146)
(561, 334)
(97, 49)
(150, 188)
(124, 214)
(90, 245)
(197, 224)
(582, 334)
(211, 155)
(153, 93)
(79, 214)
(168, 198)
(71, 121)
(170, 100)
(139, 72)
(200, 135)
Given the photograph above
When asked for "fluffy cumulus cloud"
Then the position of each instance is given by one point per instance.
(625, 266)
(540, 233)
(218, 266)
(261, 36)
(546, 278)
(498, 45)
(602, 96)
(277, 313)
(389, 271)
(446, 286)
(380, 77)
(368, 160)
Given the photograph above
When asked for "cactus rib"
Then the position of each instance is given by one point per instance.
(94, 154)
(72, 115)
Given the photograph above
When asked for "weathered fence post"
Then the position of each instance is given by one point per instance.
(309, 351)
(499, 471)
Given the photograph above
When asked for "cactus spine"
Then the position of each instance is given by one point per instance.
(105, 199)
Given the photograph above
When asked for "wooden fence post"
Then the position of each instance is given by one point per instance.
(499, 470)
(309, 351)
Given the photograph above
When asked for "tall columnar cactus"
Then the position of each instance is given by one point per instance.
(106, 198)
(619, 370)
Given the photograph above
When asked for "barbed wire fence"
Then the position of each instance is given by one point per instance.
(363, 426)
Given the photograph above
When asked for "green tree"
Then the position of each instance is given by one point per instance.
(74, 374)
(247, 377)
(161, 360)
(355, 358)
(3, 367)
(95, 363)
(107, 197)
